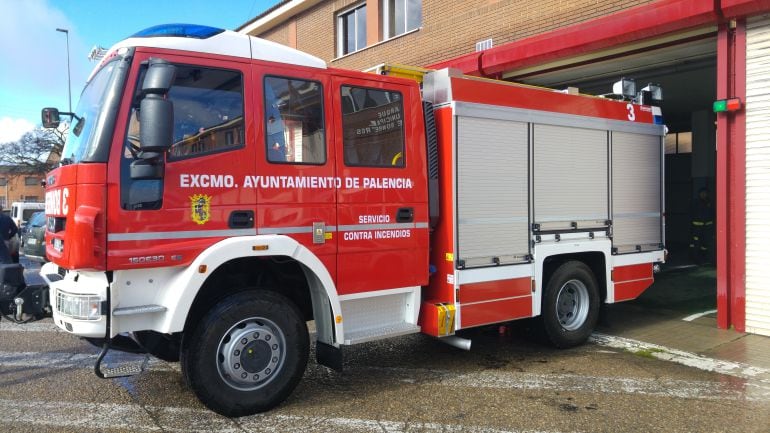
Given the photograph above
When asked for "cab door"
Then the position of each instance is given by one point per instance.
(200, 198)
(295, 178)
(382, 209)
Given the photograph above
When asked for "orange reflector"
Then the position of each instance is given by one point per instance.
(338, 319)
(202, 269)
(259, 248)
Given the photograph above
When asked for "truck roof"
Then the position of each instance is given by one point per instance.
(212, 40)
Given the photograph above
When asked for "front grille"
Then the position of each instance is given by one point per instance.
(55, 224)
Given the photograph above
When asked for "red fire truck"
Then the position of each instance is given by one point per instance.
(218, 191)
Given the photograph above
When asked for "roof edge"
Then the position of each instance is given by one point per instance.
(275, 16)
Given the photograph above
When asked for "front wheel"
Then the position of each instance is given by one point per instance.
(570, 307)
(247, 354)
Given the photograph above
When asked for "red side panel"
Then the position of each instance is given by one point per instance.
(484, 313)
(631, 281)
(495, 301)
(493, 290)
(441, 286)
(534, 98)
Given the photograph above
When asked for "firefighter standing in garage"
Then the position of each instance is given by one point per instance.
(702, 227)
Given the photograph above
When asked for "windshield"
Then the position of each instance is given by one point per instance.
(91, 131)
(37, 220)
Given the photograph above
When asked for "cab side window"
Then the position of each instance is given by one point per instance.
(208, 111)
(208, 118)
(294, 121)
(372, 127)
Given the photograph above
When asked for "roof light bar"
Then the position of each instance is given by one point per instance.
(179, 31)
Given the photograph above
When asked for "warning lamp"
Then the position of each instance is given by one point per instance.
(725, 105)
(626, 88)
(656, 92)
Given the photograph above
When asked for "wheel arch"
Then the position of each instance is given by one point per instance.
(548, 257)
(595, 260)
(262, 262)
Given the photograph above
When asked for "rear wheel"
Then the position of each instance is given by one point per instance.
(570, 307)
(247, 354)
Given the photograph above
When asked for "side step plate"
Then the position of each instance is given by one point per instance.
(125, 370)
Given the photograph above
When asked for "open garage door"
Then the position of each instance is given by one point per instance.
(686, 70)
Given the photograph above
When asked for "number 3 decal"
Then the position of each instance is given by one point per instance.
(631, 114)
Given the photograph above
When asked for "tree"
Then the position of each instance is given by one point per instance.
(36, 151)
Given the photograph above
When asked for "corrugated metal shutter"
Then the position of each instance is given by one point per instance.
(636, 175)
(492, 190)
(758, 177)
(570, 177)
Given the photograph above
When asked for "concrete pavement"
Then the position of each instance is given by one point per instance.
(644, 370)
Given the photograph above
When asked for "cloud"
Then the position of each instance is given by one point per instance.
(34, 55)
(12, 129)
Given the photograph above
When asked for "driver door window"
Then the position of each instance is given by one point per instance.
(208, 119)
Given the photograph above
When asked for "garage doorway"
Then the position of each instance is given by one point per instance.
(686, 71)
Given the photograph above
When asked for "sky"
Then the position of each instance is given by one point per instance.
(33, 55)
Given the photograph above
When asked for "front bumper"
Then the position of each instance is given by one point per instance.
(78, 300)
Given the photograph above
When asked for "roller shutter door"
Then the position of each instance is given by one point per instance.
(636, 192)
(492, 191)
(570, 177)
(758, 177)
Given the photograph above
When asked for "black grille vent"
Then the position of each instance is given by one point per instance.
(431, 140)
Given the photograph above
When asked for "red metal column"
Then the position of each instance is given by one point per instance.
(731, 178)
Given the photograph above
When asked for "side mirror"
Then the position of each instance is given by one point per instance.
(50, 117)
(156, 113)
(156, 117)
(159, 77)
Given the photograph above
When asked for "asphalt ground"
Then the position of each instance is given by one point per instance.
(506, 383)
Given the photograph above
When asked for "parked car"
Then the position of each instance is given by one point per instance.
(33, 238)
(21, 212)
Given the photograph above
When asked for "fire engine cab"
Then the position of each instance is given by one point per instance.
(218, 191)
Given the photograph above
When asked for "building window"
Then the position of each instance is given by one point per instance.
(294, 121)
(678, 142)
(351, 30)
(401, 16)
(372, 127)
(3, 181)
(31, 181)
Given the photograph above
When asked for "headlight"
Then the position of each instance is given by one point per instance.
(81, 307)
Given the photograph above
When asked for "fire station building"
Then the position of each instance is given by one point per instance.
(698, 51)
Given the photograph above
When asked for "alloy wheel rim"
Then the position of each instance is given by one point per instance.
(572, 304)
(251, 353)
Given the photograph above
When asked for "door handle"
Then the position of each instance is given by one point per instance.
(241, 219)
(405, 215)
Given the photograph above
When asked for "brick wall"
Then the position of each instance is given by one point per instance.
(450, 28)
(15, 186)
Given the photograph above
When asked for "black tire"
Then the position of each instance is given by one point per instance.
(161, 346)
(247, 354)
(570, 308)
